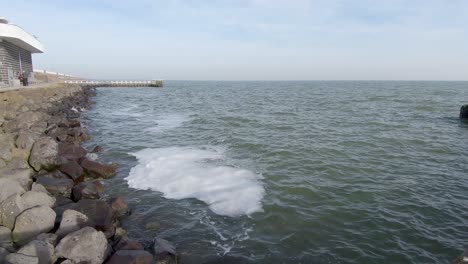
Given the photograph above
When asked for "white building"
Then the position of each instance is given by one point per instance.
(16, 47)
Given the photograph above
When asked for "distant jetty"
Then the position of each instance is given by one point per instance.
(116, 83)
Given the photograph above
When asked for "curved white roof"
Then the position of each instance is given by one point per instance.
(16, 35)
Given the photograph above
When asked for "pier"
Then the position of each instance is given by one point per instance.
(119, 83)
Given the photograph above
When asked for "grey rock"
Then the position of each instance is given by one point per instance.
(5, 152)
(3, 254)
(9, 187)
(72, 221)
(6, 144)
(36, 187)
(61, 187)
(29, 119)
(18, 163)
(15, 258)
(32, 199)
(163, 246)
(5, 235)
(164, 251)
(44, 251)
(10, 209)
(30, 223)
(26, 139)
(22, 176)
(85, 245)
(56, 174)
(50, 238)
(44, 154)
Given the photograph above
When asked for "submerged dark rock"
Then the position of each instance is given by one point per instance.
(131, 257)
(464, 112)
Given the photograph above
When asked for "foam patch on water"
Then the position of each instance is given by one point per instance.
(167, 122)
(183, 172)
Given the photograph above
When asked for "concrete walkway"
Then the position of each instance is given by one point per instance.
(34, 86)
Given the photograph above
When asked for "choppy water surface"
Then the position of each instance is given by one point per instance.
(291, 172)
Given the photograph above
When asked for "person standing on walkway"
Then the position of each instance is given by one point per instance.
(25, 79)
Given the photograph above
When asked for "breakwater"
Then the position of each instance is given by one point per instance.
(120, 83)
(51, 191)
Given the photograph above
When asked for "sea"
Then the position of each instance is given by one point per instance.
(290, 171)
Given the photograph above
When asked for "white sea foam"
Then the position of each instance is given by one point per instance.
(167, 122)
(184, 172)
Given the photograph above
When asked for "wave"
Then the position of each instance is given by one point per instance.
(167, 122)
(186, 172)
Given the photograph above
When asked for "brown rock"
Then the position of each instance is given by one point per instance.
(96, 169)
(88, 190)
(119, 206)
(71, 151)
(74, 123)
(74, 170)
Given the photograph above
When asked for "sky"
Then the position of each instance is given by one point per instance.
(249, 39)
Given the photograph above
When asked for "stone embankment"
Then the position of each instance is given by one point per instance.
(51, 205)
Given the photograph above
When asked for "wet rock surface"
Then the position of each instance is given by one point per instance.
(51, 195)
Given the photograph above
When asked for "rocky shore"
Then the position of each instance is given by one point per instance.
(51, 205)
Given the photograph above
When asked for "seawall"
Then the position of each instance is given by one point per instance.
(51, 205)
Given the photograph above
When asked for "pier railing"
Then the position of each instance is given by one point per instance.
(107, 83)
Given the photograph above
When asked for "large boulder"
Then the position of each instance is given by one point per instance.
(32, 199)
(30, 223)
(86, 245)
(9, 187)
(71, 151)
(73, 170)
(5, 237)
(88, 190)
(22, 176)
(29, 119)
(15, 258)
(36, 187)
(26, 139)
(10, 209)
(50, 238)
(131, 257)
(72, 221)
(54, 186)
(6, 144)
(44, 154)
(97, 211)
(44, 251)
(96, 169)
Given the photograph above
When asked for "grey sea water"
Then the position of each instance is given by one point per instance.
(291, 172)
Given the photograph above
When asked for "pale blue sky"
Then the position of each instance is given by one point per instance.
(249, 39)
